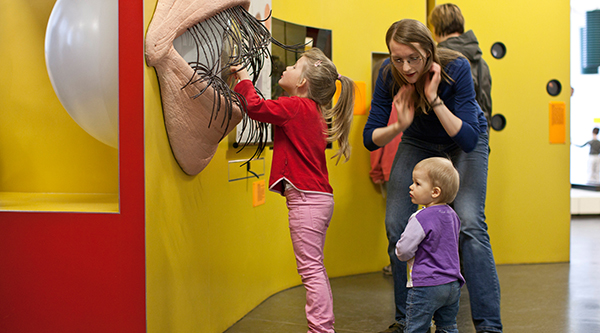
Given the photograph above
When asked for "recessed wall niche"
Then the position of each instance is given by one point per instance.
(47, 161)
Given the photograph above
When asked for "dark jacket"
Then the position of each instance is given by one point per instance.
(468, 45)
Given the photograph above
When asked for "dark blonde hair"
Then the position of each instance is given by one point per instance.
(442, 174)
(321, 74)
(409, 31)
(447, 19)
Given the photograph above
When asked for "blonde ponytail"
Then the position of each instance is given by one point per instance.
(339, 119)
(321, 75)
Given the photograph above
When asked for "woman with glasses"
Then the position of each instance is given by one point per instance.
(432, 90)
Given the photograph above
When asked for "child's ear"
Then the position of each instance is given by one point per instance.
(301, 83)
(436, 192)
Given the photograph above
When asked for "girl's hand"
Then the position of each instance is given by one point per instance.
(432, 81)
(405, 106)
(239, 72)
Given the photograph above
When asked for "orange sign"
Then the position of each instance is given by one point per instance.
(258, 193)
(557, 121)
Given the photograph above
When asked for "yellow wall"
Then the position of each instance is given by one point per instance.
(528, 188)
(211, 256)
(42, 149)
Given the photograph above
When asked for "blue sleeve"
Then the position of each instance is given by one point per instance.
(459, 97)
(381, 106)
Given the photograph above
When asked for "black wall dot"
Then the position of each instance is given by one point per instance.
(498, 50)
(553, 87)
(498, 122)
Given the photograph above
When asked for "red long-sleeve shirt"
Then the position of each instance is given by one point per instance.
(299, 140)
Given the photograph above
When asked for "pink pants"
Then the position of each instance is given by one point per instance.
(309, 216)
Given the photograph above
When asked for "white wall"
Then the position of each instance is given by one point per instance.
(585, 102)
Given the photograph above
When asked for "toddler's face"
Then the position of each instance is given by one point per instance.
(421, 190)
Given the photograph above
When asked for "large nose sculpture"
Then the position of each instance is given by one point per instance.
(199, 109)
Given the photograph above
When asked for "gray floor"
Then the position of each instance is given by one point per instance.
(560, 298)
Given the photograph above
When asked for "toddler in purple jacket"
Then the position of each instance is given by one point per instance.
(429, 244)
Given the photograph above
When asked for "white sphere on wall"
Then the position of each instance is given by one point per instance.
(81, 49)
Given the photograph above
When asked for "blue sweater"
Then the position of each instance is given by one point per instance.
(458, 96)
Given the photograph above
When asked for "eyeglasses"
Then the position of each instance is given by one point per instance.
(412, 61)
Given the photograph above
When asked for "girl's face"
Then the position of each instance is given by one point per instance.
(421, 190)
(410, 63)
(291, 78)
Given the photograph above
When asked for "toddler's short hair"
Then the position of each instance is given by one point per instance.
(442, 174)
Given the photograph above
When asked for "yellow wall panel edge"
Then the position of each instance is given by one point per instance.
(528, 197)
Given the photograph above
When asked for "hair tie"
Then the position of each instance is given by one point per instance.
(339, 77)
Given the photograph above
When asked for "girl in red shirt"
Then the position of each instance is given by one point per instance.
(303, 125)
